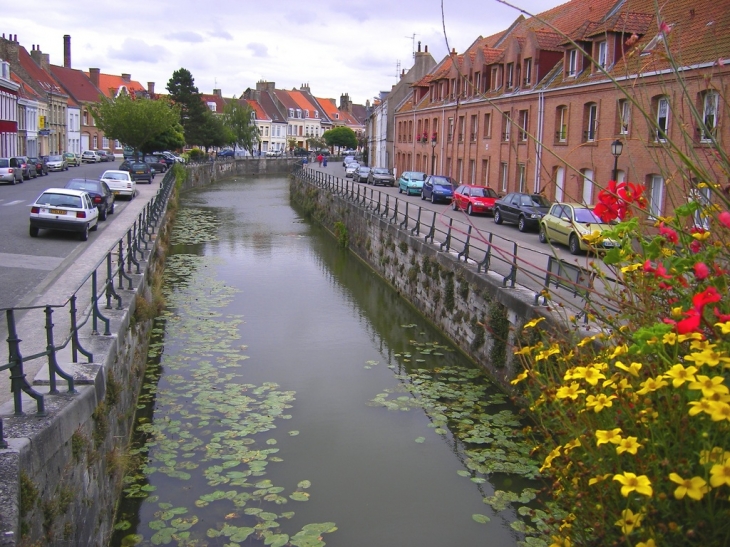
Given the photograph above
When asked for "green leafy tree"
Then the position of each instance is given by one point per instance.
(238, 120)
(186, 96)
(316, 143)
(134, 122)
(342, 136)
(291, 143)
(172, 139)
(212, 132)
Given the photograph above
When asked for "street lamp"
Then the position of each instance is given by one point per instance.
(433, 153)
(616, 148)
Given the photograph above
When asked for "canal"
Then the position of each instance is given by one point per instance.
(293, 398)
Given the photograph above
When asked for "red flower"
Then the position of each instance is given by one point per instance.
(708, 296)
(690, 324)
(614, 201)
(701, 270)
(669, 234)
(722, 317)
(695, 246)
(724, 218)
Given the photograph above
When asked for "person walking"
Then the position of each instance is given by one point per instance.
(319, 160)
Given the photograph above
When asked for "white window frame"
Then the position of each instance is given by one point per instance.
(710, 105)
(521, 177)
(587, 175)
(592, 127)
(505, 175)
(656, 195)
(510, 75)
(624, 109)
(662, 119)
(528, 71)
(602, 54)
(572, 62)
(563, 113)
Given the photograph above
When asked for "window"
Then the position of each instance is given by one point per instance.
(506, 126)
(86, 118)
(485, 172)
(561, 125)
(474, 129)
(572, 62)
(602, 54)
(477, 83)
(95, 142)
(472, 171)
(104, 143)
(510, 74)
(316, 113)
(587, 175)
(461, 128)
(709, 116)
(450, 136)
(591, 113)
(656, 191)
(704, 197)
(528, 72)
(291, 112)
(559, 182)
(211, 106)
(488, 125)
(496, 84)
(523, 125)
(662, 119)
(505, 175)
(624, 116)
(521, 177)
(306, 113)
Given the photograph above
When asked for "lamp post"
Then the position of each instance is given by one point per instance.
(616, 148)
(433, 153)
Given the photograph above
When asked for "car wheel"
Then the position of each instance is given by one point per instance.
(423, 196)
(95, 227)
(522, 224)
(542, 234)
(66, 169)
(83, 236)
(34, 231)
(102, 214)
(454, 206)
(498, 217)
(400, 191)
(111, 211)
(574, 244)
(433, 199)
(469, 210)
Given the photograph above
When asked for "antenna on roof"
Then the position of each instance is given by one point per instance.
(413, 43)
(397, 70)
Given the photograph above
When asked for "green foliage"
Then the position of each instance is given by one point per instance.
(212, 132)
(101, 424)
(28, 494)
(342, 136)
(196, 154)
(342, 235)
(185, 95)
(79, 444)
(135, 122)
(237, 118)
(449, 300)
(172, 139)
(498, 325)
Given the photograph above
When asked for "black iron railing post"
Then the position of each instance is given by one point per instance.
(18, 383)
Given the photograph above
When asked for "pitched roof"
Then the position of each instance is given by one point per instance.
(269, 106)
(302, 101)
(40, 77)
(214, 98)
(285, 98)
(111, 84)
(25, 91)
(76, 84)
(257, 108)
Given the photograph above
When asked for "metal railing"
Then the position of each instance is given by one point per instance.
(488, 252)
(100, 286)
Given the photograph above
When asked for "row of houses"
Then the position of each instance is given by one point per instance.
(45, 108)
(538, 106)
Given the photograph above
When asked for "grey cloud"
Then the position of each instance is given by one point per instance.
(301, 17)
(259, 50)
(138, 50)
(185, 37)
(221, 34)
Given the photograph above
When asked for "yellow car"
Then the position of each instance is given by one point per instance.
(576, 226)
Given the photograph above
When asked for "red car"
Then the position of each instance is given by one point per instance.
(474, 199)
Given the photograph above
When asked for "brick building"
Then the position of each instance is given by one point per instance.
(537, 106)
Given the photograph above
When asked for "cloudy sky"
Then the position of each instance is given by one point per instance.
(337, 46)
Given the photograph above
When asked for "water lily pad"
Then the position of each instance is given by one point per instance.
(481, 519)
(420, 439)
(299, 496)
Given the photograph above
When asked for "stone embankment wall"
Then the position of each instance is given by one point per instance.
(202, 174)
(480, 316)
(61, 476)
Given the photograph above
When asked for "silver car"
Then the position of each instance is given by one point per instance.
(381, 175)
(10, 171)
(57, 163)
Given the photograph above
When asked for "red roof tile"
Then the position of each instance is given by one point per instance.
(76, 84)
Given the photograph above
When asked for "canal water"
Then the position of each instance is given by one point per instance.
(293, 398)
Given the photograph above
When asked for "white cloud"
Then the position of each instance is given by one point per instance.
(136, 50)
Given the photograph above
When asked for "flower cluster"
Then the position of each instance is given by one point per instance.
(635, 420)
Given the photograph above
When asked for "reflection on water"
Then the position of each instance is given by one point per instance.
(294, 396)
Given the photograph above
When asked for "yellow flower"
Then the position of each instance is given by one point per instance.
(703, 405)
(701, 236)
(651, 384)
(598, 479)
(560, 542)
(720, 474)
(519, 378)
(629, 444)
(677, 312)
(524, 351)
(679, 374)
(612, 436)
(586, 340)
(690, 336)
(533, 323)
(695, 487)
(593, 238)
(569, 392)
(670, 338)
(633, 483)
(570, 445)
(547, 353)
(600, 401)
(708, 356)
(629, 521)
(719, 411)
(631, 267)
(619, 350)
(549, 459)
(647, 543)
(709, 385)
(716, 455)
(589, 374)
(724, 327)
(632, 369)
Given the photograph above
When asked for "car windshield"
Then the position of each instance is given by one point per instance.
(586, 216)
(115, 176)
(59, 200)
(483, 192)
(534, 201)
(55, 158)
(440, 181)
(381, 171)
(139, 165)
(87, 185)
(363, 169)
(418, 176)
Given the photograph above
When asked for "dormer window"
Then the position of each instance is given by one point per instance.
(528, 72)
(291, 112)
(316, 114)
(478, 83)
(602, 54)
(299, 112)
(306, 113)
(510, 74)
(337, 115)
(572, 62)
(496, 84)
(211, 106)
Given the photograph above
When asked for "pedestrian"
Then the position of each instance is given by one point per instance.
(324, 161)
(319, 160)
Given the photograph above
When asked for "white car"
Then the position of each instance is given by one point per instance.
(66, 210)
(350, 169)
(90, 156)
(120, 183)
(56, 163)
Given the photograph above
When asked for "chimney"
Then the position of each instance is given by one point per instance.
(425, 49)
(9, 49)
(217, 93)
(126, 77)
(94, 76)
(35, 54)
(151, 89)
(419, 46)
(67, 50)
(46, 62)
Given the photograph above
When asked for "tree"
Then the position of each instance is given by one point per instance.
(316, 143)
(172, 139)
(134, 122)
(291, 142)
(342, 136)
(212, 132)
(186, 96)
(238, 120)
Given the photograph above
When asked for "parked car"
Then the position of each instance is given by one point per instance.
(298, 151)
(171, 158)
(101, 195)
(72, 160)
(10, 170)
(138, 170)
(64, 209)
(570, 224)
(381, 175)
(57, 163)
(361, 174)
(109, 155)
(120, 183)
(90, 156)
(524, 209)
(228, 153)
(474, 199)
(26, 168)
(273, 153)
(347, 159)
(41, 166)
(156, 164)
(411, 182)
(350, 169)
(437, 188)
